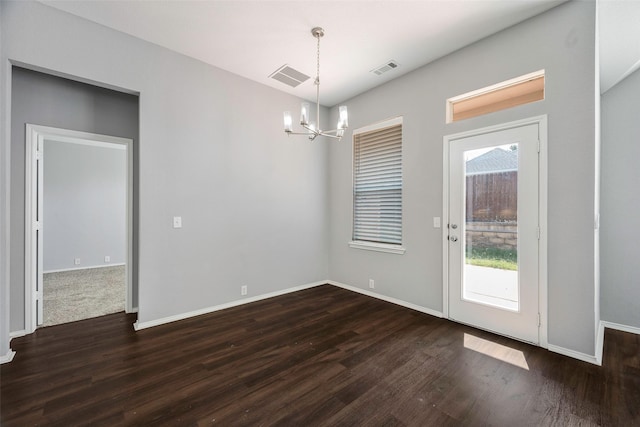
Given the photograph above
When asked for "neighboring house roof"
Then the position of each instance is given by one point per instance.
(496, 160)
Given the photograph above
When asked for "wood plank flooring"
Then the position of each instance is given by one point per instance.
(323, 356)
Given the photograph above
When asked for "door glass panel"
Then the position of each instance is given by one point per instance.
(490, 273)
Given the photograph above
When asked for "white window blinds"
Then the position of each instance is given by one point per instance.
(377, 198)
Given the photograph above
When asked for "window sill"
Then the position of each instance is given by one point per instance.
(378, 247)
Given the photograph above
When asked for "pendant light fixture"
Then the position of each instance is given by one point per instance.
(313, 129)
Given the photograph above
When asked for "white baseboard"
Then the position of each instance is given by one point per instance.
(387, 299)
(87, 267)
(17, 334)
(620, 327)
(596, 359)
(575, 354)
(611, 325)
(143, 325)
(7, 357)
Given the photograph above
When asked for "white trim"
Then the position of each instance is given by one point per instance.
(387, 299)
(619, 327)
(541, 121)
(611, 325)
(45, 133)
(599, 342)
(182, 316)
(574, 354)
(17, 334)
(498, 127)
(79, 137)
(91, 143)
(378, 247)
(7, 357)
(144, 325)
(543, 203)
(393, 121)
(444, 224)
(89, 267)
(31, 137)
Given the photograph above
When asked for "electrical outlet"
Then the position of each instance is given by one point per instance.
(177, 222)
(76, 261)
(107, 258)
(372, 284)
(436, 222)
(243, 290)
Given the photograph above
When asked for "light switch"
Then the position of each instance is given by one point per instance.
(436, 222)
(177, 222)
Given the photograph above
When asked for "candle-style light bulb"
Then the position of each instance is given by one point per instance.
(288, 122)
(305, 109)
(343, 117)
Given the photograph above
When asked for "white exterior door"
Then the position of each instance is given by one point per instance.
(493, 231)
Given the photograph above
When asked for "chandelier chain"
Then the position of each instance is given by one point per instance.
(313, 130)
(318, 62)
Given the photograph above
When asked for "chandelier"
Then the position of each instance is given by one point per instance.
(313, 129)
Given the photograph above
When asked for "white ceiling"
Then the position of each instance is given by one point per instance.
(254, 38)
(619, 40)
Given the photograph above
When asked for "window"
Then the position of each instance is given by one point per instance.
(519, 91)
(377, 187)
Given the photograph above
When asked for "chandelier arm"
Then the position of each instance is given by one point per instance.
(328, 135)
(313, 133)
(300, 133)
(311, 130)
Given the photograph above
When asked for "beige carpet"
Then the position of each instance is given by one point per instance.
(82, 294)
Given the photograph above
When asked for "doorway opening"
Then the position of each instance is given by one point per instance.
(78, 234)
(494, 245)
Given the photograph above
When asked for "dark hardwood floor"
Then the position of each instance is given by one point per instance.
(323, 356)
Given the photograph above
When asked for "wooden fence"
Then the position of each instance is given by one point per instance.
(492, 197)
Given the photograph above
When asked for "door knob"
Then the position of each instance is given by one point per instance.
(454, 226)
(453, 238)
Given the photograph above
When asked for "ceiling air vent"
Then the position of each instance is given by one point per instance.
(289, 76)
(387, 66)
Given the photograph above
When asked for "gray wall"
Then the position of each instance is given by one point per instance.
(5, 170)
(620, 221)
(85, 209)
(560, 41)
(211, 150)
(254, 204)
(46, 100)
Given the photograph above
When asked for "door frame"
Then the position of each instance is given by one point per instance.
(36, 134)
(541, 121)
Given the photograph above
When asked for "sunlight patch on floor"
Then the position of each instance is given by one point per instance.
(496, 351)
